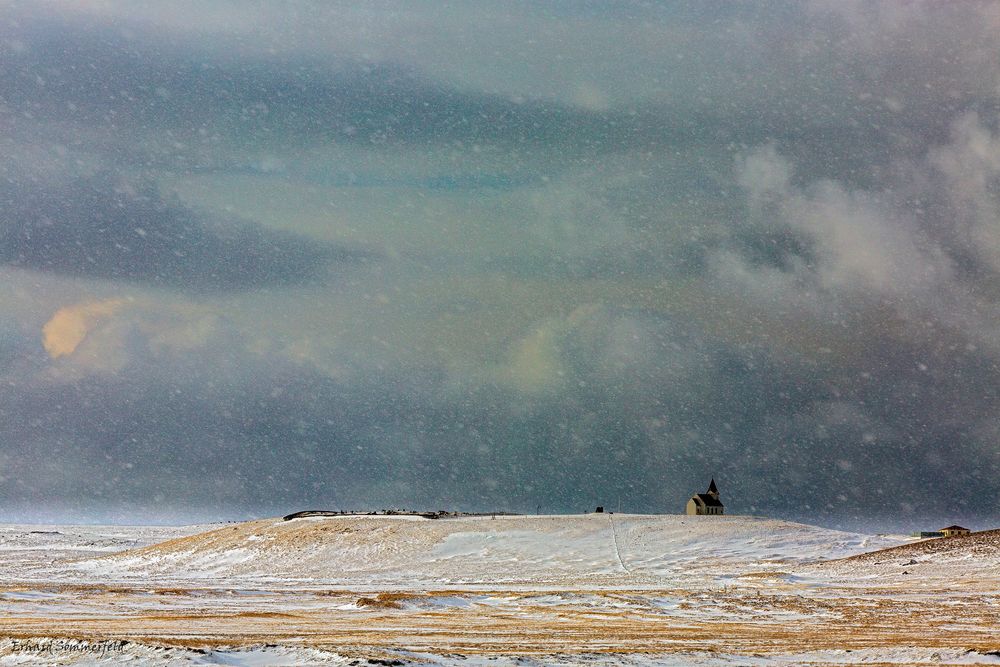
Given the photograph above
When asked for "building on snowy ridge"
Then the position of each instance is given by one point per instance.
(706, 503)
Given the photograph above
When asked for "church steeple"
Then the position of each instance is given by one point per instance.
(706, 503)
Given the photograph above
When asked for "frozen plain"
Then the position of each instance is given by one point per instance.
(596, 589)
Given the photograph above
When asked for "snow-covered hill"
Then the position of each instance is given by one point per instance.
(467, 550)
(974, 557)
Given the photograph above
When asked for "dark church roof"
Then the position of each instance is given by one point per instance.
(712, 488)
(706, 500)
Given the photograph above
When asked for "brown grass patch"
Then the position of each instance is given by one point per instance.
(765, 575)
(766, 618)
(385, 600)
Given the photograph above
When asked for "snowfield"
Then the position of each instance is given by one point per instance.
(597, 589)
(523, 550)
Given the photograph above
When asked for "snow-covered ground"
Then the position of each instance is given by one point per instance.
(525, 550)
(527, 590)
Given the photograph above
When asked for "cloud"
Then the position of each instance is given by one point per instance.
(62, 334)
(534, 363)
(920, 239)
(964, 175)
(849, 239)
(645, 403)
(156, 338)
(695, 55)
(643, 77)
(105, 227)
(128, 85)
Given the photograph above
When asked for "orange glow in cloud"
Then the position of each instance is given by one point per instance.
(64, 332)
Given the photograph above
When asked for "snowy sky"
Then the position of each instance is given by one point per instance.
(268, 256)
